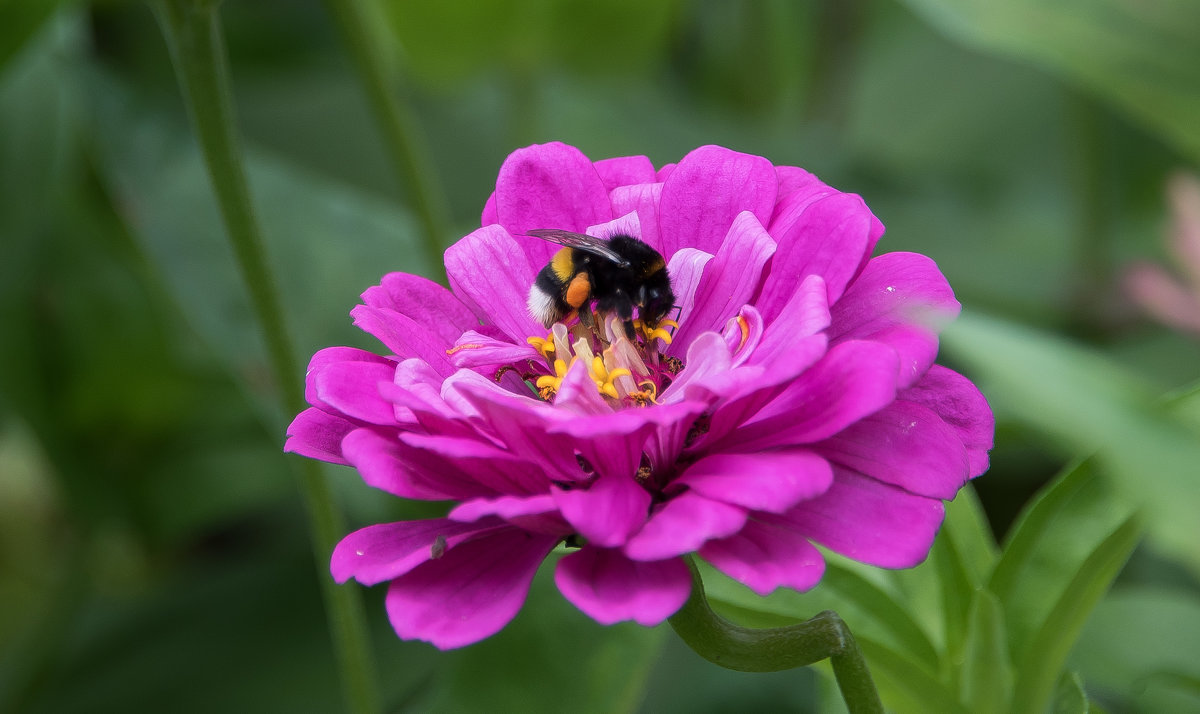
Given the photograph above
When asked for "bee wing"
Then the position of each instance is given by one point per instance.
(582, 241)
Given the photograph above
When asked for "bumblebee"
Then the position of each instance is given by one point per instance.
(619, 274)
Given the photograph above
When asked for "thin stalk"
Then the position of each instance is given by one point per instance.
(400, 127)
(193, 35)
(774, 649)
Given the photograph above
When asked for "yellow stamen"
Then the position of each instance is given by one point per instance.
(548, 385)
(545, 346)
(745, 328)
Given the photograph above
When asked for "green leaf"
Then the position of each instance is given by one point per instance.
(1140, 56)
(1070, 697)
(957, 592)
(20, 20)
(1031, 527)
(968, 527)
(987, 676)
(909, 688)
(1090, 403)
(1039, 665)
(1139, 650)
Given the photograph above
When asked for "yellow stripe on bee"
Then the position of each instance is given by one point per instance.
(563, 265)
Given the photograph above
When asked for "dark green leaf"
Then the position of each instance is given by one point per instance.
(1070, 697)
(909, 688)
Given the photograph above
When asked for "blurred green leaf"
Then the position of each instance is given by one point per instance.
(1070, 697)
(909, 688)
(453, 39)
(20, 20)
(326, 242)
(1140, 651)
(1091, 404)
(967, 525)
(987, 676)
(1039, 665)
(1141, 56)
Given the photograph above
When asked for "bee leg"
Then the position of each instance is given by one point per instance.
(586, 317)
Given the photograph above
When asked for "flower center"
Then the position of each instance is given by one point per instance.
(626, 372)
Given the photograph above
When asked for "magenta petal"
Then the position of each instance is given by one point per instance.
(642, 199)
(608, 511)
(829, 240)
(405, 337)
(389, 465)
(798, 186)
(549, 186)
(705, 193)
(730, 281)
(423, 300)
(686, 269)
(482, 467)
(538, 514)
(805, 313)
(764, 556)
(469, 593)
(903, 300)
(382, 552)
(318, 435)
(871, 522)
(905, 445)
(609, 588)
(961, 405)
(489, 272)
(772, 481)
(624, 171)
(352, 388)
(488, 216)
(854, 379)
(473, 350)
(333, 355)
(682, 525)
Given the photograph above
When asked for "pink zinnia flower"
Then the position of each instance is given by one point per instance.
(797, 402)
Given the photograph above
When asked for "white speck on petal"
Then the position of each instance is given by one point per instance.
(890, 288)
(358, 552)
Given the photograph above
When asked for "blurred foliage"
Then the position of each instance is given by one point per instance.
(152, 547)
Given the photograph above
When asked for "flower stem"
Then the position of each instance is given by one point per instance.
(778, 648)
(193, 36)
(367, 45)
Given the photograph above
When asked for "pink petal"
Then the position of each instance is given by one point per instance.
(829, 239)
(609, 588)
(333, 355)
(900, 299)
(742, 333)
(797, 185)
(685, 269)
(474, 350)
(489, 272)
(730, 281)
(608, 511)
(469, 593)
(772, 481)
(805, 313)
(961, 405)
(549, 186)
(705, 193)
(626, 224)
(905, 445)
(682, 525)
(871, 522)
(624, 171)
(352, 388)
(318, 435)
(643, 200)
(537, 514)
(474, 461)
(488, 216)
(854, 379)
(389, 465)
(1162, 296)
(707, 358)
(386, 551)
(405, 337)
(425, 302)
(764, 556)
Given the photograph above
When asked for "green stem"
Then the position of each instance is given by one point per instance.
(193, 36)
(400, 127)
(778, 648)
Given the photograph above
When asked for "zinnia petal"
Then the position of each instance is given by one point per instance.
(772, 481)
(609, 588)
(469, 593)
(767, 555)
(682, 525)
(707, 190)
